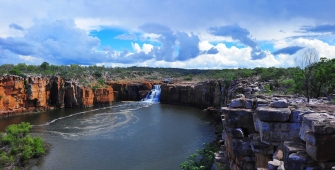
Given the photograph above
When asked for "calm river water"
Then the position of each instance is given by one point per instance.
(125, 136)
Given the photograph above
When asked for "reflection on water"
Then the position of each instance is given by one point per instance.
(127, 135)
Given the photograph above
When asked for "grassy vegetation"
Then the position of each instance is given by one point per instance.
(82, 73)
(202, 159)
(17, 146)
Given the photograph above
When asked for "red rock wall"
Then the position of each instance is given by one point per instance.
(12, 96)
(78, 96)
(37, 95)
(18, 95)
(103, 96)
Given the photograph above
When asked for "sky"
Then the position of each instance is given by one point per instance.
(213, 34)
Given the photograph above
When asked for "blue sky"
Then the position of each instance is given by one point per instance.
(185, 34)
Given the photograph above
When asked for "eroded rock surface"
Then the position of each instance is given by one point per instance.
(284, 132)
(36, 93)
(203, 94)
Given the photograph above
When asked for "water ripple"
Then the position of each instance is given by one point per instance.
(94, 123)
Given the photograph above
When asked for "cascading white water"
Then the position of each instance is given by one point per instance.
(154, 94)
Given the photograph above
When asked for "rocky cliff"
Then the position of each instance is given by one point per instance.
(12, 94)
(130, 91)
(277, 132)
(78, 96)
(18, 95)
(103, 96)
(202, 94)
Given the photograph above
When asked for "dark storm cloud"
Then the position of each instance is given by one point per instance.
(288, 50)
(241, 34)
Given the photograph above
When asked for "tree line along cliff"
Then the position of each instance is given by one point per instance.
(313, 76)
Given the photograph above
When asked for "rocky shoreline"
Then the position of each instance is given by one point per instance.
(276, 132)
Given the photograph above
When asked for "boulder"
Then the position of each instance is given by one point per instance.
(320, 123)
(237, 103)
(296, 115)
(279, 104)
(277, 132)
(269, 114)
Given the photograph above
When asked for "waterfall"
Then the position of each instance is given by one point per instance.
(154, 94)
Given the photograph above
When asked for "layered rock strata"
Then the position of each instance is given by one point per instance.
(34, 93)
(12, 94)
(277, 133)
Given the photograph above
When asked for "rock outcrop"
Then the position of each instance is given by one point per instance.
(277, 132)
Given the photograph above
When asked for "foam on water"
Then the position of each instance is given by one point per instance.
(95, 122)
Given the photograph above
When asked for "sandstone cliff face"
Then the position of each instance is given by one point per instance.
(57, 92)
(103, 96)
(37, 95)
(18, 95)
(130, 91)
(78, 96)
(203, 94)
(12, 94)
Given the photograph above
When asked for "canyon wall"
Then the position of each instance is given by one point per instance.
(12, 94)
(260, 132)
(130, 91)
(203, 94)
(34, 93)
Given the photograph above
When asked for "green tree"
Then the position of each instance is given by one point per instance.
(44, 66)
(19, 145)
(324, 80)
(287, 85)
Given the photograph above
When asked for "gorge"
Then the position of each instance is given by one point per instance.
(259, 130)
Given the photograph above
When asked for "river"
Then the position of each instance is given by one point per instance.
(126, 135)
